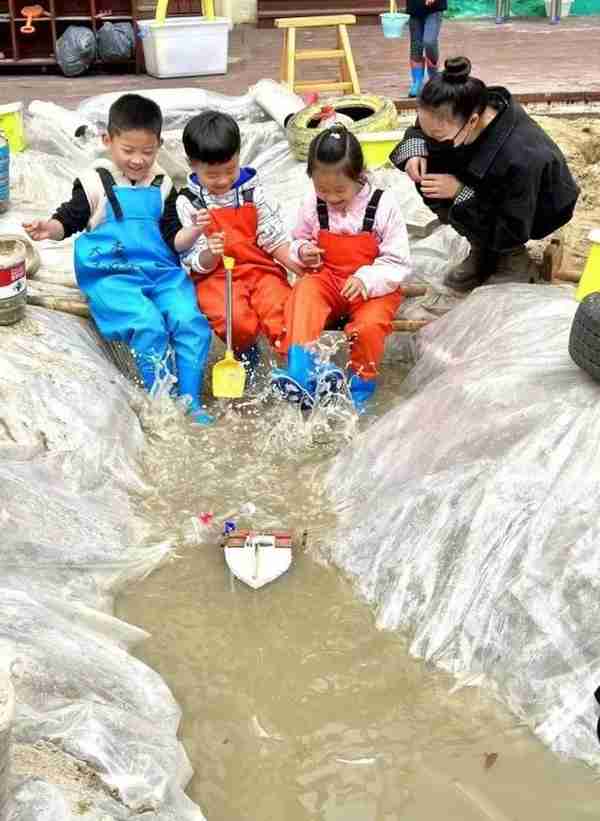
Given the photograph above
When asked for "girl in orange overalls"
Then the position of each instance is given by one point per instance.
(224, 210)
(353, 245)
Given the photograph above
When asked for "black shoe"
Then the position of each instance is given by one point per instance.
(468, 274)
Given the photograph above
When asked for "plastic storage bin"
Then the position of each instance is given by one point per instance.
(185, 47)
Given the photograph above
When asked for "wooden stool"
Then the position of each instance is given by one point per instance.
(348, 77)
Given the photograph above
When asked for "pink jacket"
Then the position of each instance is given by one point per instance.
(392, 266)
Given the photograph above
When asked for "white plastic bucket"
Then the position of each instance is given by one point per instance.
(185, 46)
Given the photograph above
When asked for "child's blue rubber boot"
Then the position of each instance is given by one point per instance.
(297, 383)
(189, 383)
(417, 76)
(330, 381)
(432, 70)
(361, 390)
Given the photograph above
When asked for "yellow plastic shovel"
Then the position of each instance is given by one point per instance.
(229, 375)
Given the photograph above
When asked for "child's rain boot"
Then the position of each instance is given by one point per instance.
(330, 381)
(297, 383)
(417, 74)
(361, 390)
(189, 382)
(432, 70)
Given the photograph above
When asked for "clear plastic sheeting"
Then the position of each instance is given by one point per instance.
(70, 442)
(178, 105)
(467, 517)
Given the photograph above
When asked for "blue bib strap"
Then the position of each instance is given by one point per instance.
(108, 183)
(371, 210)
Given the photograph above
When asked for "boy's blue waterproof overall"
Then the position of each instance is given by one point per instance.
(137, 291)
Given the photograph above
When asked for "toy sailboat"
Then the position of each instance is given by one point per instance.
(258, 558)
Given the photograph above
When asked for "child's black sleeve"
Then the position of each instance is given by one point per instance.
(75, 214)
(170, 223)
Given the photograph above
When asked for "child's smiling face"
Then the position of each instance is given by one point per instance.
(334, 187)
(217, 178)
(133, 152)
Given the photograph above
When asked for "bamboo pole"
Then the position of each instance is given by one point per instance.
(410, 325)
(67, 306)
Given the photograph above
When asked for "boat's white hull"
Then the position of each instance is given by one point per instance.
(259, 561)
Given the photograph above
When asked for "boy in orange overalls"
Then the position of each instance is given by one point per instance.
(237, 220)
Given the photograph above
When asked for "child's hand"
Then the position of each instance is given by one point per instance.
(416, 168)
(354, 288)
(39, 230)
(310, 255)
(216, 244)
(440, 186)
(201, 220)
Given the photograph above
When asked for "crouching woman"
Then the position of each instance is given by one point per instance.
(485, 167)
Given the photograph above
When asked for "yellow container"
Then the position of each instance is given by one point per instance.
(11, 123)
(378, 145)
(590, 279)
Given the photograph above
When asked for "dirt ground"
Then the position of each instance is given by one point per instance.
(579, 139)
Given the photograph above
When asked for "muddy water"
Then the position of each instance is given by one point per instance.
(295, 706)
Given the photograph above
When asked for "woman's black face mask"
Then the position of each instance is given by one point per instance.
(438, 147)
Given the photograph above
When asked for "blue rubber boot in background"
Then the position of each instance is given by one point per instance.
(417, 75)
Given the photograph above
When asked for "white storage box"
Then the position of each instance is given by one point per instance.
(185, 46)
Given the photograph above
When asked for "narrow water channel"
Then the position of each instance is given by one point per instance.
(295, 706)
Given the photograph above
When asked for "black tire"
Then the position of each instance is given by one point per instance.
(584, 341)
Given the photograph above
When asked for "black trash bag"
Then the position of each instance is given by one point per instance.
(116, 42)
(75, 50)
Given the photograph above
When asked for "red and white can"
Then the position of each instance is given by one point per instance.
(13, 282)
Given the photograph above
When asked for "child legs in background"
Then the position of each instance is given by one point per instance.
(417, 64)
(424, 49)
(431, 36)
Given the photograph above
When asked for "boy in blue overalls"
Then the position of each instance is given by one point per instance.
(137, 291)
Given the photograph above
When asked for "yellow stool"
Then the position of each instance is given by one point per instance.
(590, 279)
(348, 81)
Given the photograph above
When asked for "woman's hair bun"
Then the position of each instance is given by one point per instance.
(457, 70)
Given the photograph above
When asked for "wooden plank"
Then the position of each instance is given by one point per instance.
(410, 325)
(284, 53)
(291, 58)
(349, 59)
(319, 54)
(314, 22)
(317, 85)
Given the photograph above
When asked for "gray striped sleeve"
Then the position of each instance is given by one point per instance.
(411, 147)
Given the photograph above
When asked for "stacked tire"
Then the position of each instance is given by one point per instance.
(369, 112)
(584, 342)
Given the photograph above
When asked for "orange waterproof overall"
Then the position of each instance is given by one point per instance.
(260, 286)
(316, 301)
